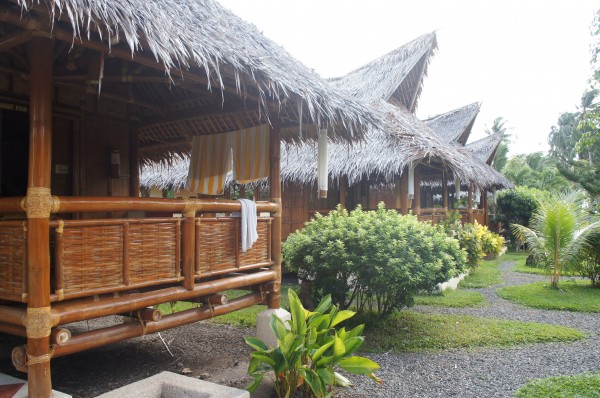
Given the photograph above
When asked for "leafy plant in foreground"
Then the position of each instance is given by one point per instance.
(309, 350)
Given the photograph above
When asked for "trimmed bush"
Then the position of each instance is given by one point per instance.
(375, 260)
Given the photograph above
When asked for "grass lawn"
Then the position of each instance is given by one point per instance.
(571, 296)
(488, 272)
(408, 331)
(585, 385)
(451, 298)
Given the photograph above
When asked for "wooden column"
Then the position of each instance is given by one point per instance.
(134, 164)
(275, 181)
(403, 192)
(445, 191)
(343, 185)
(485, 207)
(189, 249)
(417, 199)
(38, 206)
(470, 204)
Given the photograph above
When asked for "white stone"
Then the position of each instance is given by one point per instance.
(263, 330)
(452, 283)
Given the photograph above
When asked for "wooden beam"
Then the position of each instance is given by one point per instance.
(15, 39)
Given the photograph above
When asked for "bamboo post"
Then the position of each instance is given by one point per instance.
(445, 191)
(275, 182)
(343, 185)
(404, 192)
(189, 243)
(417, 199)
(470, 204)
(485, 207)
(38, 205)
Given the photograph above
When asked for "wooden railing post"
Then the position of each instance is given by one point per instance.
(275, 183)
(189, 246)
(417, 199)
(470, 204)
(38, 205)
(445, 191)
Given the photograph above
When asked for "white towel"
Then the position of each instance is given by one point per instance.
(248, 222)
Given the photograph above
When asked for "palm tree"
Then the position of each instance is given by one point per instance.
(558, 232)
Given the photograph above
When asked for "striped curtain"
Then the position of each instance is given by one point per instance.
(209, 163)
(251, 153)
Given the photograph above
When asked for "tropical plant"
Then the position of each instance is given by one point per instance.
(309, 350)
(516, 206)
(501, 157)
(374, 260)
(589, 264)
(557, 233)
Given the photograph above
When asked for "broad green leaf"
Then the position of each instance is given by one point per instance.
(315, 383)
(320, 351)
(255, 343)
(263, 357)
(258, 378)
(352, 344)
(339, 349)
(341, 317)
(358, 365)
(357, 331)
(279, 363)
(253, 365)
(326, 375)
(298, 313)
(325, 360)
(324, 305)
(277, 326)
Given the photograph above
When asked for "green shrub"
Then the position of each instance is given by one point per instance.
(376, 260)
(308, 351)
(589, 264)
(516, 206)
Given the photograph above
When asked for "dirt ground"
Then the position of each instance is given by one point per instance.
(215, 353)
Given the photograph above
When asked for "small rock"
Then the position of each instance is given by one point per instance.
(205, 376)
(236, 363)
(186, 371)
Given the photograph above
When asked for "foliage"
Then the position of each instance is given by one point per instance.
(588, 265)
(375, 260)
(584, 385)
(500, 158)
(450, 298)
(309, 349)
(409, 331)
(475, 239)
(516, 206)
(535, 170)
(557, 235)
(573, 295)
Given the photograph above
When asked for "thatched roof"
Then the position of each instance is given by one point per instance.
(201, 47)
(382, 156)
(485, 148)
(396, 77)
(455, 125)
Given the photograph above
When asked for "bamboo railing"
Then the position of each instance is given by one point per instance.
(108, 256)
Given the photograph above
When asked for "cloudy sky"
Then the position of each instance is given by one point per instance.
(524, 60)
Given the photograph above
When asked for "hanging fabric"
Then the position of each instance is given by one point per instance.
(411, 181)
(209, 163)
(248, 224)
(250, 153)
(322, 166)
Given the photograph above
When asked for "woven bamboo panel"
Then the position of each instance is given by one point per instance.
(259, 252)
(152, 252)
(217, 246)
(13, 255)
(92, 257)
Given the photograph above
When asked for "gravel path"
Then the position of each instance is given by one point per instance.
(488, 372)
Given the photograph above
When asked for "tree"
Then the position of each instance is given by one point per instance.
(556, 237)
(535, 170)
(501, 156)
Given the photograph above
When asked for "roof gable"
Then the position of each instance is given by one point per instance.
(455, 125)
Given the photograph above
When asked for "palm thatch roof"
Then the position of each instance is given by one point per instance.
(485, 148)
(455, 125)
(199, 47)
(381, 156)
(396, 77)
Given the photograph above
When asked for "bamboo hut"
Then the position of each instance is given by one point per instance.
(91, 90)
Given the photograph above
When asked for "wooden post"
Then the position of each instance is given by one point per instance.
(275, 182)
(485, 207)
(343, 185)
(470, 204)
(417, 199)
(403, 192)
(38, 205)
(445, 191)
(189, 248)
(134, 164)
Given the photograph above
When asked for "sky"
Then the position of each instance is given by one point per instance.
(526, 61)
